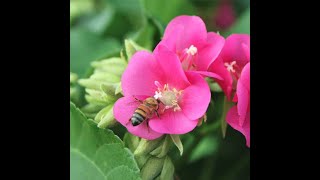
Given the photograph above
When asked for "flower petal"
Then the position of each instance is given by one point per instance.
(218, 67)
(195, 99)
(210, 51)
(234, 50)
(207, 74)
(172, 123)
(169, 63)
(243, 93)
(123, 110)
(194, 31)
(139, 77)
(233, 120)
(172, 36)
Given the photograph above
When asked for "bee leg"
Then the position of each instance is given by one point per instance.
(157, 114)
(137, 99)
(147, 121)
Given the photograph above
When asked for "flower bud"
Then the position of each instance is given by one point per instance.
(103, 90)
(131, 141)
(146, 146)
(105, 117)
(152, 168)
(131, 47)
(163, 149)
(167, 170)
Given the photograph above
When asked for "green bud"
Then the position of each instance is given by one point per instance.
(90, 84)
(146, 146)
(91, 108)
(95, 101)
(167, 170)
(152, 168)
(73, 77)
(215, 87)
(106, 77)
(163, 149)
(141, 160)
(105, 117)
(131, 141)
(109, 89)
(176, 140)
(131, 47)
(118, 89)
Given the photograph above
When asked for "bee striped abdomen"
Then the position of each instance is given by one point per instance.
(136, 119)
(139, 115)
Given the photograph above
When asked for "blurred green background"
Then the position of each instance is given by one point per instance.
(98, 29)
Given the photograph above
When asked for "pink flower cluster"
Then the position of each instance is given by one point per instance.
(174, 75)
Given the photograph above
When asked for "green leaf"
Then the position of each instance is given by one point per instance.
(176, 140)
(166, 10)
(86, 46)
(100, 21)
(97, 153)
(207, 146)
(132, 9)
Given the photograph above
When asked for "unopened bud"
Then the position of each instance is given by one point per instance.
(167, 170)
(131, 47)
(146, 146)
(105, 117)
(152, 168)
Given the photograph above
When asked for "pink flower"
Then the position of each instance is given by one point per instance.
(233, 57)
(238, 116)
(185, 96)
(225, 15)
(187, 37)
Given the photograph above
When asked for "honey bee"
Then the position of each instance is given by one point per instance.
(145, 111)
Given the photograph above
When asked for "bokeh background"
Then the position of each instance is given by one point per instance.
(98, 29)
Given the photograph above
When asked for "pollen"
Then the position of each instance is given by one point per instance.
(192, 50)
(157, 95)
(169, 97)
(230, 67)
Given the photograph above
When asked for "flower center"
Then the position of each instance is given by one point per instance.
(192, 50)
(235, 71)
(168, 96)
(230, 66)
(187, 57)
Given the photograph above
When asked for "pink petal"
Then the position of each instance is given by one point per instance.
(234, 50)
(171, 68)
(172, 123)
(194, 31)
(139, 77)
(245, 76)
(246, 50)
(210, 51)
(123, 110)
(195, 99)
(233, 120)
(173, 36)
(243, 93)
(207, 74)
(226, 84)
